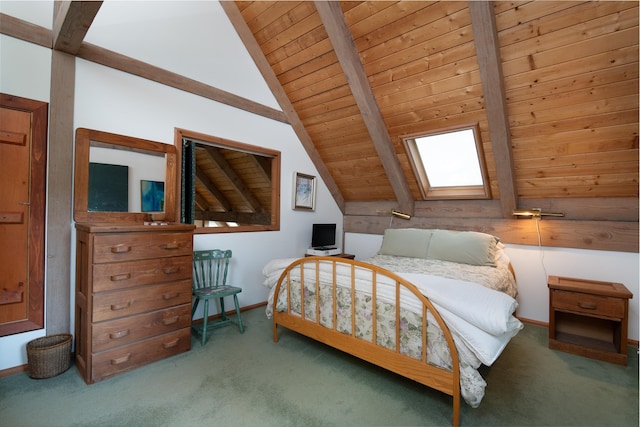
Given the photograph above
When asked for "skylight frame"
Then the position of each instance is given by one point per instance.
(429, 192)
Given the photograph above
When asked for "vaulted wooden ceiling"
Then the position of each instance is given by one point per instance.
(552, 85)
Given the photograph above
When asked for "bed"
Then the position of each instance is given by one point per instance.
(444, 305)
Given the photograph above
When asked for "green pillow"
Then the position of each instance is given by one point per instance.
(465, 247)
(407, 242)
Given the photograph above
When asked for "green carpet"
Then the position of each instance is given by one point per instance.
(247, 380)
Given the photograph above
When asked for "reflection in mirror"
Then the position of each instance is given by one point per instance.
(118, 177)
(227, 185)
(145, 170)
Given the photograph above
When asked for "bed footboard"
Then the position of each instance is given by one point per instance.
(370, 313)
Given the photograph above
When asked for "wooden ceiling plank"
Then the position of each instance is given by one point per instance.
(566, 30)
(71, 22)
(566, 85)
(519, 14)
(291, 32)
(341, 39)
(488, 51)
(522, 72)
(431, 39)
(269, 75)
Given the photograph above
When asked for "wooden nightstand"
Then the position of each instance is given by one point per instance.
(589, 318)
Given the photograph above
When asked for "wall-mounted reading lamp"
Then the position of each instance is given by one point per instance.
(535, 213)
(400, 214)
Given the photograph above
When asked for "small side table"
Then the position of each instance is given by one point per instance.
(348, 256)
(589, 318)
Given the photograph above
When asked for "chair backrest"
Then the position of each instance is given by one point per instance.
(210, 268)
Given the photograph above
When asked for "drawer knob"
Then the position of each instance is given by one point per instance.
(171, 270)
(171, 344)
(119, 334)
(122, 359)
(171, 246)
(119, 249)
(587, 305)
(170, 320)
(118, 277)
(120, 306)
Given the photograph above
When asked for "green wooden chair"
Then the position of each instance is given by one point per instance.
(209, 283)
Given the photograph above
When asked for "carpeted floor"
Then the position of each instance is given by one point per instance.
(247, 380)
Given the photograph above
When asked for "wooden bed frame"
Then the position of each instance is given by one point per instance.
(419, 370)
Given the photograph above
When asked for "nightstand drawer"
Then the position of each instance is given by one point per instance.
(588, 304)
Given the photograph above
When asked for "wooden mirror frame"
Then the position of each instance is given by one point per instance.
(85, 138)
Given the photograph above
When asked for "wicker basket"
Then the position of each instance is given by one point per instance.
(49, 356)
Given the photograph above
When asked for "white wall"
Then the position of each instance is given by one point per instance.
(532, 265)
(25, 72)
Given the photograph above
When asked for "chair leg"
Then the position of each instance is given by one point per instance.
(195, 306)
(223, 315)
(235, 300)
(205, 318)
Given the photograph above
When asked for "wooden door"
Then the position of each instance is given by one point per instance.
(22, 214)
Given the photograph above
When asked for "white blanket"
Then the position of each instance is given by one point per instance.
(480, 318)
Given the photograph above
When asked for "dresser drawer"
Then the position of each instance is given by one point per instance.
(588, 304)
(136, 246)
(121, 359)
(120, 275)
(124, 331)
(114, 304)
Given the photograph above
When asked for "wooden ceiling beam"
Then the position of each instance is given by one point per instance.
(71, 22)
(495, 100)
(342, 40)
(26, 31)
(150, 72)
(206, 182)
(247, 37)
(236, 181)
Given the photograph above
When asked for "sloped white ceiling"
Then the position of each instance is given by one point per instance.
(191, 38)
(36, 12)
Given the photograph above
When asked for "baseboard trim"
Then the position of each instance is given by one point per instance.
(229, 313)
(15, 370)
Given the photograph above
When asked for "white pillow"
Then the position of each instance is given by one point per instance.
(464, 247)
(406, 242)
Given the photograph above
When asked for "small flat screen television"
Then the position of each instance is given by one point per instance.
(323, 236)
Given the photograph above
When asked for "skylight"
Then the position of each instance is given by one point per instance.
(448, 164)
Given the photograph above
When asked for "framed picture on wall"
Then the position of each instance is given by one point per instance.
(152, 196)
(304, 192)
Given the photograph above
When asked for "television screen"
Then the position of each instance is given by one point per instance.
(323, 235)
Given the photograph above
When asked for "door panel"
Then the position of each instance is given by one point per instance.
(15, 146)
(23, 160)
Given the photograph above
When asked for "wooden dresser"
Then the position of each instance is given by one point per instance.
(133, 296)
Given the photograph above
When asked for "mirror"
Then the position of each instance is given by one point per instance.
(228, 186)
(121, 179)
